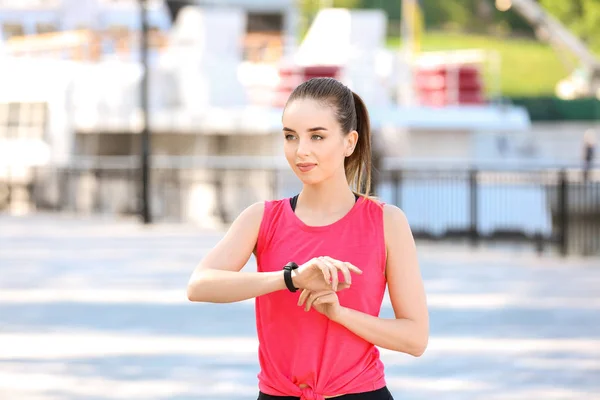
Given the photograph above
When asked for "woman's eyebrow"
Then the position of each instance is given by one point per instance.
(316, 128)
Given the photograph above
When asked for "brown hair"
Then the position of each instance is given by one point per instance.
(351, 114)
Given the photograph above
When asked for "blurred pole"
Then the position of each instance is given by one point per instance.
(145, 134)
(411, 26)
(175, 7)
(563, 212)
(473, 206)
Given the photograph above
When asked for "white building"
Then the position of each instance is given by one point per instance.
(213, 74)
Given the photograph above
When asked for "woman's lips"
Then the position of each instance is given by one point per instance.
(305, 167)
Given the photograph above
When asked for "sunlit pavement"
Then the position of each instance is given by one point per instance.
(93, 309)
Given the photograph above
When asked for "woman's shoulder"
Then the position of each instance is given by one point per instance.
(373, 203)
(389, 210)
(260, 209)
(391, 215)
(276, 204)
(278, 201)
(392, 212)
(395, 222)
(275, 208)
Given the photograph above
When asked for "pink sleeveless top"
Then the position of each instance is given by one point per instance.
(298, 347)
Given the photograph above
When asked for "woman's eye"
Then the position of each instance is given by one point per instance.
(289, 137)
(317, 137)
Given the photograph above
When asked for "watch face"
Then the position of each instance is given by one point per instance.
(291, 265)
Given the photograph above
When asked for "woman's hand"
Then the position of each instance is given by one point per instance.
(326, 302)
(321, 273)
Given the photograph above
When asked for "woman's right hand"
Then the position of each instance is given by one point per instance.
(321, 273)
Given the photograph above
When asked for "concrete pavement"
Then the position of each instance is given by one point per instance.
(96, 309)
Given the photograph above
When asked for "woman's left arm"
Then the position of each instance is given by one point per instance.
(409, 331)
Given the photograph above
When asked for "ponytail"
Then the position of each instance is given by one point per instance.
(358, 165)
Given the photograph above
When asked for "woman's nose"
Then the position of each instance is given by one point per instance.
(303, 147)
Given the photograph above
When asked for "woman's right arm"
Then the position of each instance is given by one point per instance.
(217, 279)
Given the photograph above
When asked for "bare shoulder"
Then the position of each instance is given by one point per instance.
(248, 221)
(397, 230)
(395, 220)
(253, 213)
(392, 213)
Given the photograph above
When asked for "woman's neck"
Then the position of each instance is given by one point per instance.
(331, 196)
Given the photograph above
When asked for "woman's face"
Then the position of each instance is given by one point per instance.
(314, 144)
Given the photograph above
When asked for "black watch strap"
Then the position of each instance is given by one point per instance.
(287, 275)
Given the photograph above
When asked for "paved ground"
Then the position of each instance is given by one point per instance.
(93, 309)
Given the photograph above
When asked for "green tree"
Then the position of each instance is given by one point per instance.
(346, 3)
(479, 16)
(581, 16)
(476, 16)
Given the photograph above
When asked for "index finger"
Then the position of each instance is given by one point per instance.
(342, 267)
(350, 266)
(353, 268)
(334, 273)
(324, 269)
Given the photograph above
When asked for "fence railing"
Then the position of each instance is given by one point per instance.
(549, 208)
(544, 207)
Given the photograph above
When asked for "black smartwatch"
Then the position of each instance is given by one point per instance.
(287, 275)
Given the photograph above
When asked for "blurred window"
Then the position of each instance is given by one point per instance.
(44, 27)
(264, 36)
(264, 22)
(11, 29)
(23, 120)
(3, 120)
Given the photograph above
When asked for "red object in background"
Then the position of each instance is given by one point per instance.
(449, 85)
(291, 77)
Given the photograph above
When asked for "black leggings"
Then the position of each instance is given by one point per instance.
(381, 394)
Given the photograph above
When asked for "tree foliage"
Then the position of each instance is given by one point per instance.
(480, 16)
(581, 16)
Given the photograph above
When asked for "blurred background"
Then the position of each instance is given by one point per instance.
(132, 133)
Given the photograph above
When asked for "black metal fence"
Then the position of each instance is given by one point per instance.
(549, 208)
(544, 207)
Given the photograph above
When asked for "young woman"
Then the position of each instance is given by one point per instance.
(324, 259)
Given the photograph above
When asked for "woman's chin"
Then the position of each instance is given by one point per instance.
(309, 180)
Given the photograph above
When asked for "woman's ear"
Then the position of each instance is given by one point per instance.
(351, 141)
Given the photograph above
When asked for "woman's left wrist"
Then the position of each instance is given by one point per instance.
(340, 314)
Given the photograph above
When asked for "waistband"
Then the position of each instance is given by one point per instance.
(379, 394)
